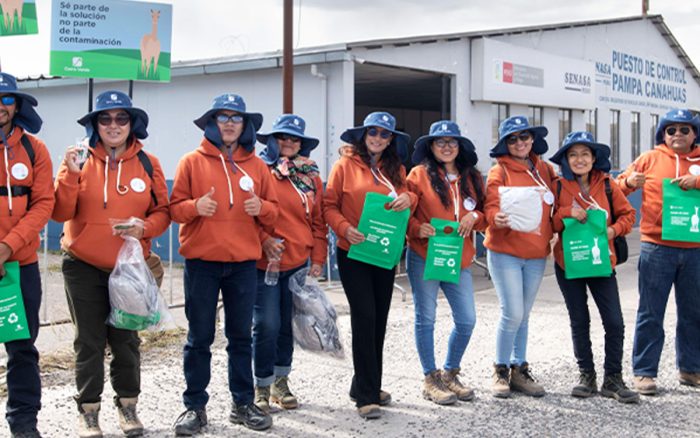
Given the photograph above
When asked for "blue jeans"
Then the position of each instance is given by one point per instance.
(516, 281)
(273, 343)
(461, 299)
(237, 283)
(661, 267)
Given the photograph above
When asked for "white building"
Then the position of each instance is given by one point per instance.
(613, 77)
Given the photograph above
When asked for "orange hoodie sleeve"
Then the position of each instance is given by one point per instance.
(182, 206)
(494, 180)
(413, 185)
(332, 200)
(404, 189)
(66, 190)
(41, 204)
(319, 229)
(638, 165)
(562, 207)
(481, 222)
(625, 214)
(158, 215)
(268, 196)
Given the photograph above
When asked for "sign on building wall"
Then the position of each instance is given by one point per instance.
(111, 39)
(504, 72)
(18, 17)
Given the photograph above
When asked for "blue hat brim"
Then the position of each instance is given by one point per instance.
(401, 139)
(694, 122)
(601, 152)
(539, 144)
(201, 122)
(308, 143)
(139, 122)
(27, 117)
(421, 146)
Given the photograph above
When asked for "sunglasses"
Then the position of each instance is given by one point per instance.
(441, 143)
(287, 137)
(8, 100)
(223, 118)
(373, 132)
(671, 130)
(523, 136)
(122, 119)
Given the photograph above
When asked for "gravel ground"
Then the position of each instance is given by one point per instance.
(321, 384)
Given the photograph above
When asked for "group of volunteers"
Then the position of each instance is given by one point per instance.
(239, 212)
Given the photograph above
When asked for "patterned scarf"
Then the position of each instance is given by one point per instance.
(300, 170)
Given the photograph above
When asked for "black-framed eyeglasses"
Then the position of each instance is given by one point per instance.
(8, 100)
(223, 118)
(671, 130)
(442, 143)
(373, 132)
(121, 119)
(287, 137)
(523, 136)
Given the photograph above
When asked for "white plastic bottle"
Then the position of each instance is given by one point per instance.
(272, 273)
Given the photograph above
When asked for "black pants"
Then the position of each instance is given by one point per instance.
(87, 290)
(23, 381)
(368, 289)
(607, 299)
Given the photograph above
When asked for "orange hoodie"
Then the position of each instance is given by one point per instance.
(20, 225)
(304, 235)
(86, 201)
(230, 235)
(513, 173)
(348, 183)
(429, 206)
(570, 192)
(657, 164)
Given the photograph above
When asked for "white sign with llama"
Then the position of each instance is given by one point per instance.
(114, 39)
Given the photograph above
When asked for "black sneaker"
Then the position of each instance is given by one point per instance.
(587, 385)
(250, 416)
(190, 422)
(32, 433)
(614, 387)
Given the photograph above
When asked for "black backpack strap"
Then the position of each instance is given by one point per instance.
(558, 188)
(148, 167)
(27, 144)
(608, 193)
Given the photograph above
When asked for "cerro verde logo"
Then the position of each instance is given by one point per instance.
(77, 61)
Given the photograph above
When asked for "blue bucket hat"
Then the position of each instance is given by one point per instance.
(601, 152)
(111, 100)
(26, 117)
(382, 120)
(518, 124)
(286, 124)
(439, 129)
(678, 116)
(231, 102)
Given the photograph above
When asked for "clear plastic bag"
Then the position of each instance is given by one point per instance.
(523, 205)
(314, 317)
(134, 297)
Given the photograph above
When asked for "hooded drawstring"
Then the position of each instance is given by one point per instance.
(106, 178)
(678, 163)
(228, 180)
(121, 191)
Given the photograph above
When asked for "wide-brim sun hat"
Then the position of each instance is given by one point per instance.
(289, 124)
(383, 120)
(231, 102)
(515, 124)
(439, 129)
(678, 116)
(114, 100)
(601, 153)
(26, 117)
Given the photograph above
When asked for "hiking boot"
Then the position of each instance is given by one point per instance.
(587, 386)
(262, 398)
(281, 394)
(522, 381)
(384, 398)
(88, 420)
(32, 433)
(689, 379)
(451, 380)
(434, 389)
(190, 422)
(645, 385)
(614, 387)
(501, 381)
(369, 412)
(129, 422)
(250, 416)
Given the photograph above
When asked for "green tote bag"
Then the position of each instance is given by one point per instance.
(384, 230)
(444, 259)
(13, 319)
(680, 220)
(585, 247)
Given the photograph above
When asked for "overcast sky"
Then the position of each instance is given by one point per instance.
(214, 28)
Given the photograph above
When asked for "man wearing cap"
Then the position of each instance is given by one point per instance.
(666, 263)
(222, 196)
(26, 201)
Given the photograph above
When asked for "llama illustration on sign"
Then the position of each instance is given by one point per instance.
(9, 9)
(150, 46)
(596, 252)
(695, 222)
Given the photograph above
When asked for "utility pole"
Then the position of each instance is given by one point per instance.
(287, 65)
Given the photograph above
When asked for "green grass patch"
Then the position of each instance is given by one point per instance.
(29, 22)
(109, 63)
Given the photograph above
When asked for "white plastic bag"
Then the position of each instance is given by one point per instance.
(136, 303)
(313, 321)
(523, 205)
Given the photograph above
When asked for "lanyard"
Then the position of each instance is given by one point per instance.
(455, 197)
(302, 195)
(383, 180)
